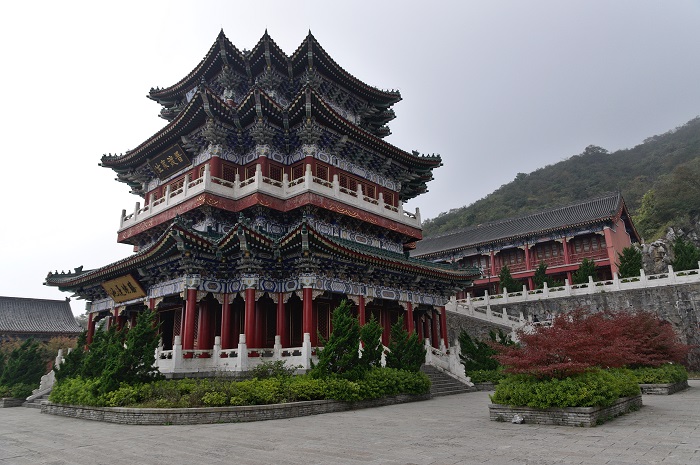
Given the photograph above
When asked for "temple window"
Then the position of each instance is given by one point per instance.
(250, 171)
(228, 172)
(322, 172)
(275, 173)
(298, 171)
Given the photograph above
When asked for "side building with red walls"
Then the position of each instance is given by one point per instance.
(597, 228)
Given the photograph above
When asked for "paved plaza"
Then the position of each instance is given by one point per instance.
(445, 430)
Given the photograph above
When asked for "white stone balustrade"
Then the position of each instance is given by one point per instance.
(480, 307)
(284, 190)
(240, 359)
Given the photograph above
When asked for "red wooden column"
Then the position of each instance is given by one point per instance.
(385, 321)
(443, 324)
(250, 317)
(528, 264)
(434, 328)
(420, 331)
(190, 312)
(282, 330)
(215, 167)
(307, 316)
(259, 321)
(409, 317)
(493, 265)
(362, 318)
(226, 323)
(90, 328)
(567, 259)
(204, 338)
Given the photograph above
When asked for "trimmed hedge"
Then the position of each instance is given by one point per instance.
(665, 374)
(185, 393)
(593, 388)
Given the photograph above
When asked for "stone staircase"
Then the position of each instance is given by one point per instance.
(442, 384)
(36, 402)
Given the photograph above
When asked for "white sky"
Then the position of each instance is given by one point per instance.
(495, 87)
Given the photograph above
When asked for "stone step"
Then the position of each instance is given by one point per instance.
(442, 384)
(36, 403)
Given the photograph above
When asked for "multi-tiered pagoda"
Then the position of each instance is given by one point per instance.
(268, 197)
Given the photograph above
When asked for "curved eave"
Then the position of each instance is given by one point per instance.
(414, 266)
(331, 69)
(162, 247)
(324, 113)
(221, 51)
(193, 116)
(267, 53)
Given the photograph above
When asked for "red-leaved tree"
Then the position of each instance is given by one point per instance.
(578, 341)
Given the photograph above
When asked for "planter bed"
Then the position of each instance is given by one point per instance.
(6, 402)
(192, 416)
(571, 416)
(663, 389)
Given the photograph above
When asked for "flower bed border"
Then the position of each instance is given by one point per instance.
(6, 402)
(194, 416)
(664, 389)
(571, 416)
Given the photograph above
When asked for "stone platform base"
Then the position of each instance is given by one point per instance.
(572, 416)
(6, 402)
(193, 416)
(663, 389)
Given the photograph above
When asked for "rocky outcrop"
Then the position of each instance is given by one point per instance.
(657, 255)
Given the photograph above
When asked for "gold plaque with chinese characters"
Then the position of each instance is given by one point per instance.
(169, 162)
(123, 288)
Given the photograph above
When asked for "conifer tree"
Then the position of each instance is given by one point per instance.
(73, 361)
(406, 352)
(685, 255)
(507, 282)
(586, 269)
(371, 334)
(340, 354)
(630, 262)
(24, 365)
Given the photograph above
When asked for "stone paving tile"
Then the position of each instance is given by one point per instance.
(446, 430)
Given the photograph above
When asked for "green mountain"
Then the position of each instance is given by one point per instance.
(659, 179)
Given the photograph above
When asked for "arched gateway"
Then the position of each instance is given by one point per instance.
(268, 197)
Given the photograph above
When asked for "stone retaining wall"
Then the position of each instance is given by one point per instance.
(6, 402)
(663, 389)
(485, 386)
(572, 416)
(192, 416)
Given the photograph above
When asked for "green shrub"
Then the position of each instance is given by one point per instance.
(593, 388)
(22, 390)
(669, 373)
(406, 351)
(487, 376)
(276, 369)
(215, 399)
(77, 391)
(305, 388)
(24, 365)
(5, 391)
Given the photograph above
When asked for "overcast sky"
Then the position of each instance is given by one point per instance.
(494, 87)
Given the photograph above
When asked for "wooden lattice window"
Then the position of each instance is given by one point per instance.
(275, 173)
(250, 171)
(348, 183)
(228, 172)
(298, 171)
(322, 172)
(324, 319)
(177, 185)
(200, 172)
(369, 191)
(389, 198)
(177, 322)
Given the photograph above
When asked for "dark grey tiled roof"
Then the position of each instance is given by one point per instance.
(19, 315)
(578, 214)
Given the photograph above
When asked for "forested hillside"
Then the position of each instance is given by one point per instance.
(659, 179)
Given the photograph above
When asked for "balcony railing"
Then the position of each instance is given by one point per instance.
(285, 189)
